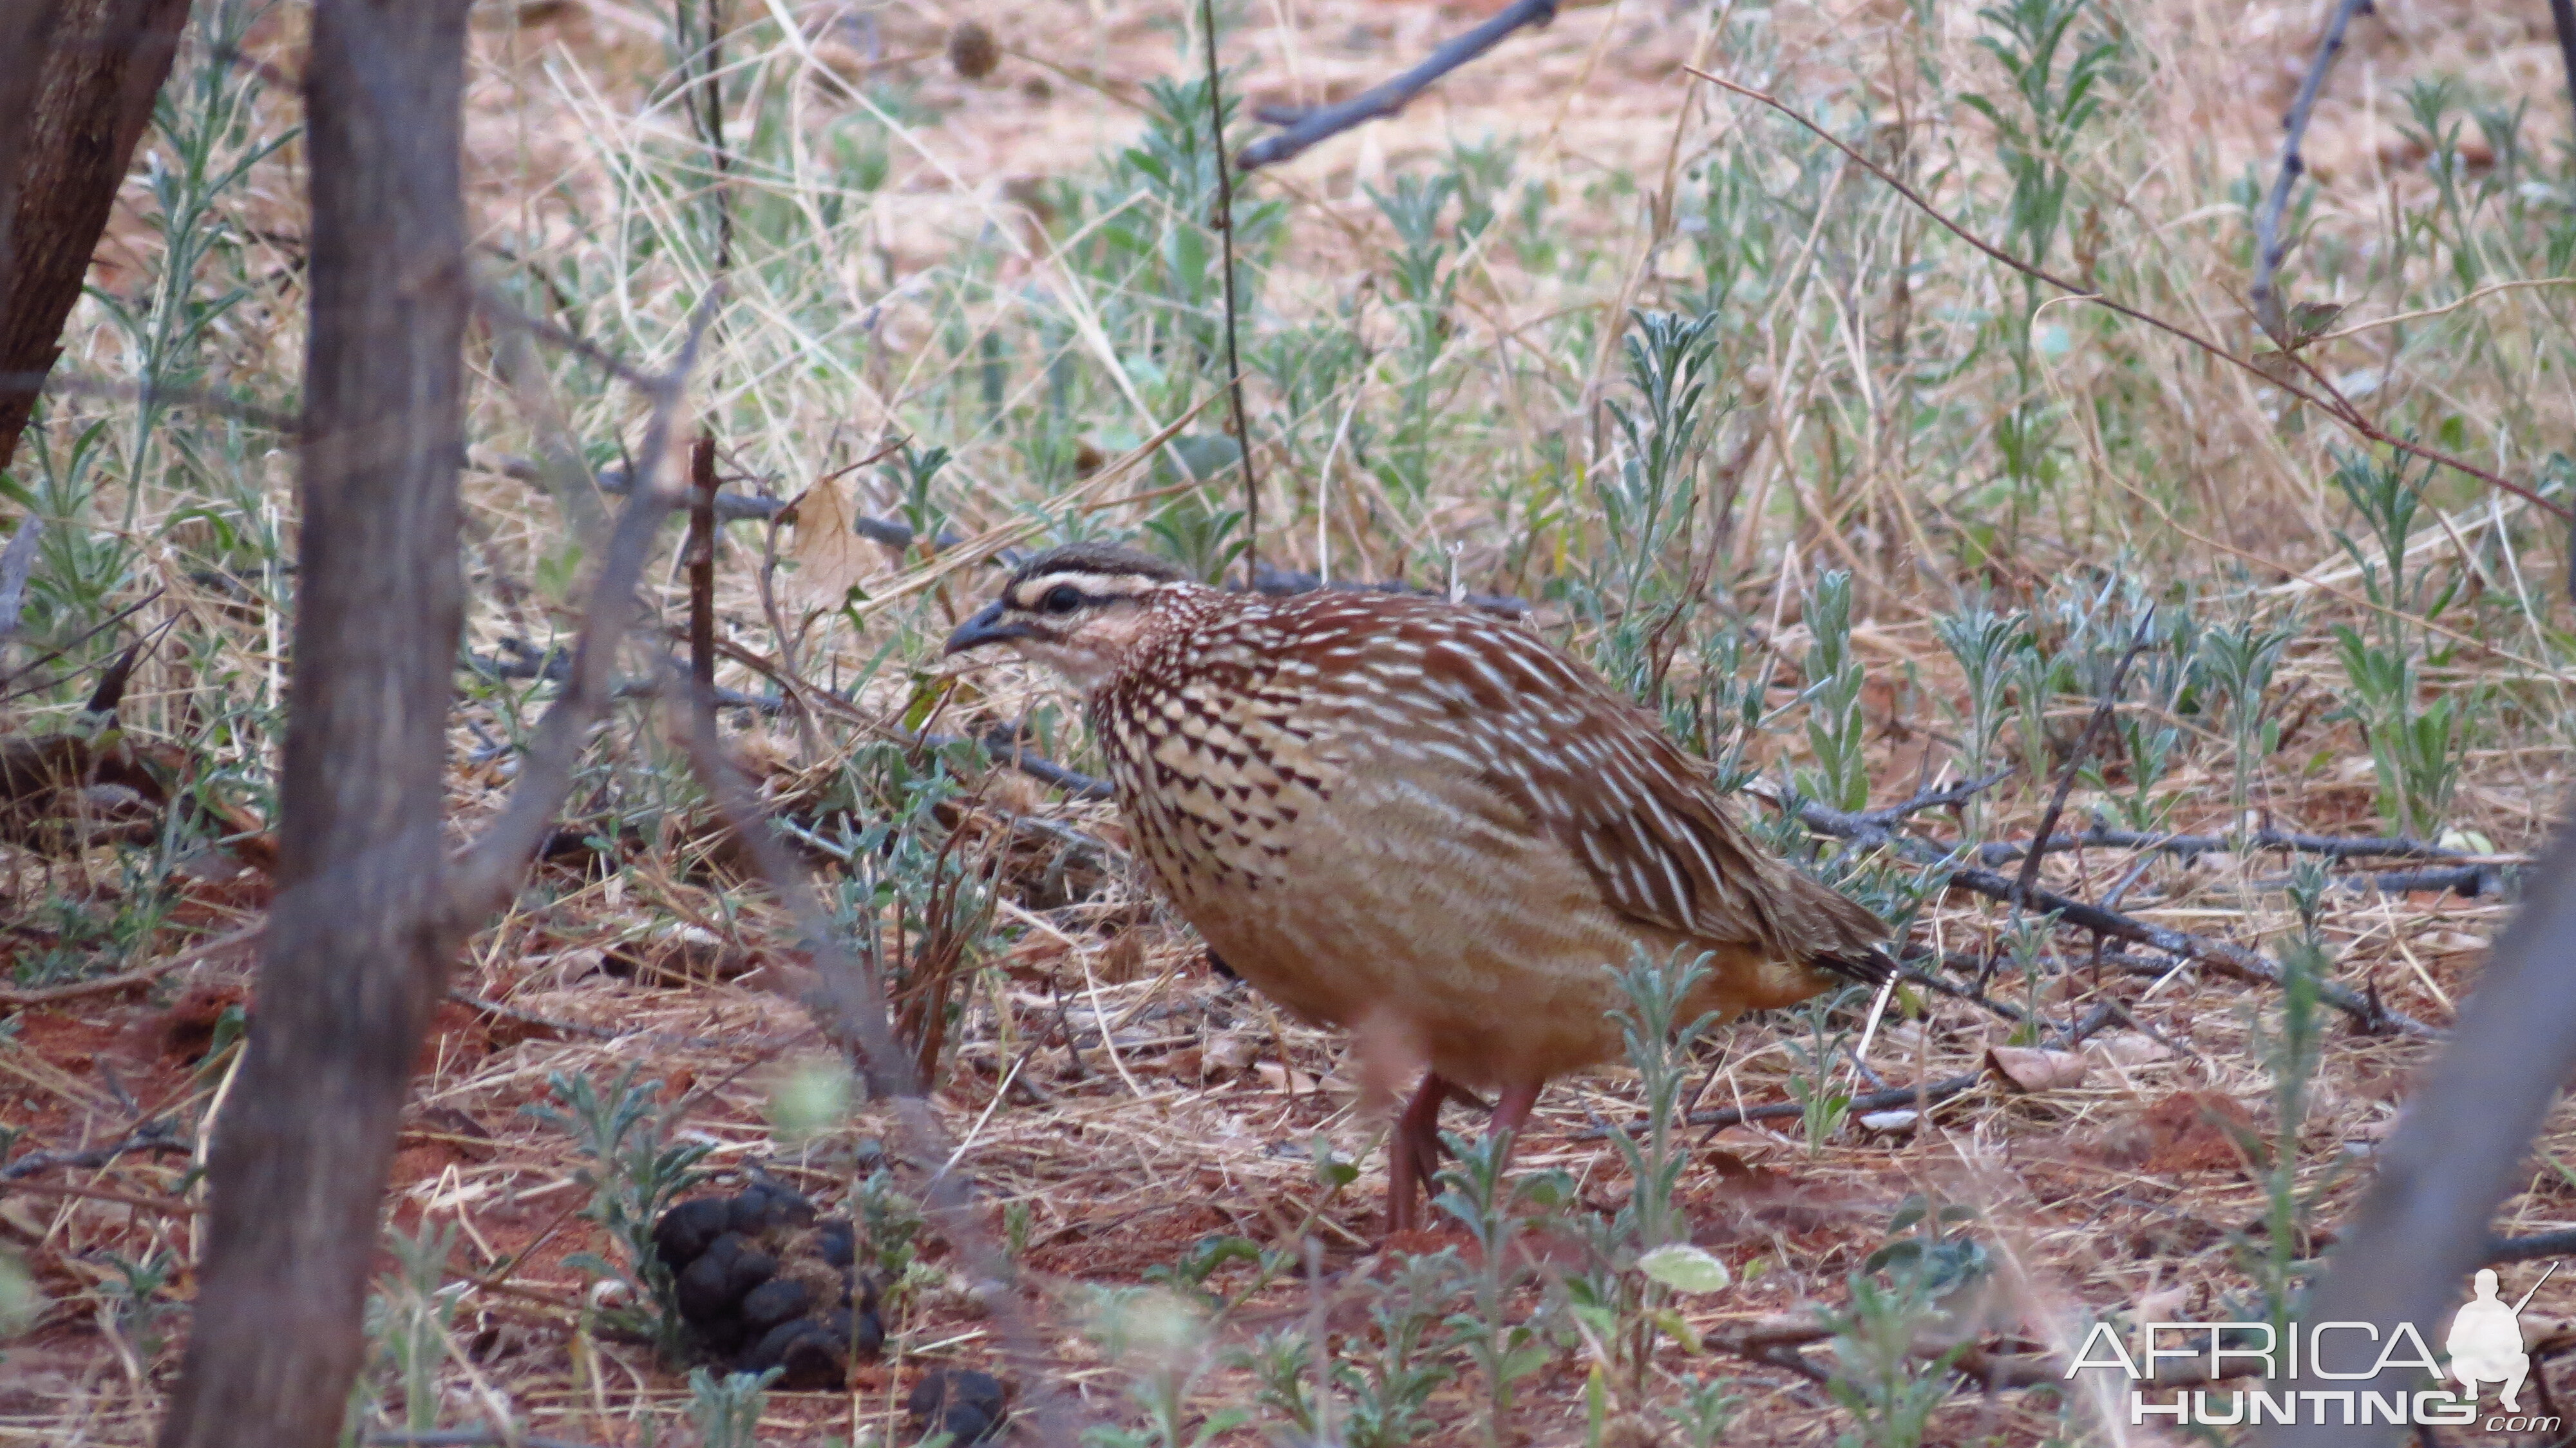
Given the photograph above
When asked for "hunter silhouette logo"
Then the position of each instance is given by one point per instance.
(2245, 1374)
(2486, 1341)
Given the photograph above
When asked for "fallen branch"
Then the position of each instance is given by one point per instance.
(152, 1136)
(1956, 794)
(1036, 766)
(1890, 1098)
(2219, 955)
(2527, 1249)
(1776, 1342)
(2467, 875)
(2002, 852)
(165, 1206)
(12, 998)
(85, 635)
(554, 666)
(1033, 764)
(1929, 1094)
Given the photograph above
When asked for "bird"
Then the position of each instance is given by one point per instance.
(1398, 815)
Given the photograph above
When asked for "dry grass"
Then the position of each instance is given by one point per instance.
(920, 256)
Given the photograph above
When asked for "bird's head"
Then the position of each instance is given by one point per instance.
(1077, 609)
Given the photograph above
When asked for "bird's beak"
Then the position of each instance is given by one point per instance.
(984, 628)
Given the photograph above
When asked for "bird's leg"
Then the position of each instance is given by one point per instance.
(1511, 1111)
(1413, 1152)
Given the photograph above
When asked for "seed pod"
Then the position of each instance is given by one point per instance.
(972, 51)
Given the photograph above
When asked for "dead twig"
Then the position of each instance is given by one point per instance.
(2222, 956)
(1924, 1096)
(158, 1136)
(1225, 255)
(21, 998)
(93, 631)
(2269, 247)
(700, 555)
(2085, 744)
(1306, 128)
(2333, 847)
(1945, 798)
(491, 868)
(165, 1206)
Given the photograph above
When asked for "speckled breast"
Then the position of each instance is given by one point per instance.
(1211, 763)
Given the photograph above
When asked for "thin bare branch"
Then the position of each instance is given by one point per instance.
(2269, 247)
(491, 869)
(700, 556)
(2341, 411)
(16, 998)
(2085, 744)
(498, 308)
(197, 397)
(85, 635)
(1306, 128)
(157, 1136)
(1225, 254)
(2225, 957)
(2332, 847)
(1943, 798)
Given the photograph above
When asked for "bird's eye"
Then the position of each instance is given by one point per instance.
(1063, 598)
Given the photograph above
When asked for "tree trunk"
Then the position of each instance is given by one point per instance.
(83, 109)
(358, 942)
(24, 29)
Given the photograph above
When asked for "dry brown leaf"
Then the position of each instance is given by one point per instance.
(2128, 1048)
(1287, 1079)
(830, 557)
(1231, 1053)
(2036, 1070)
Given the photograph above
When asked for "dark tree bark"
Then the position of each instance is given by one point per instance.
(24, 29)
(75, 124)
(359, 937)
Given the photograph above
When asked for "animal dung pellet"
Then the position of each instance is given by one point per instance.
(762, 1284)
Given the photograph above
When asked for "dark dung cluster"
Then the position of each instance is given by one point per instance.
(762, 1284)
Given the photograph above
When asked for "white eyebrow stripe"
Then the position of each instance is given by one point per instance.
(1026, 593)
